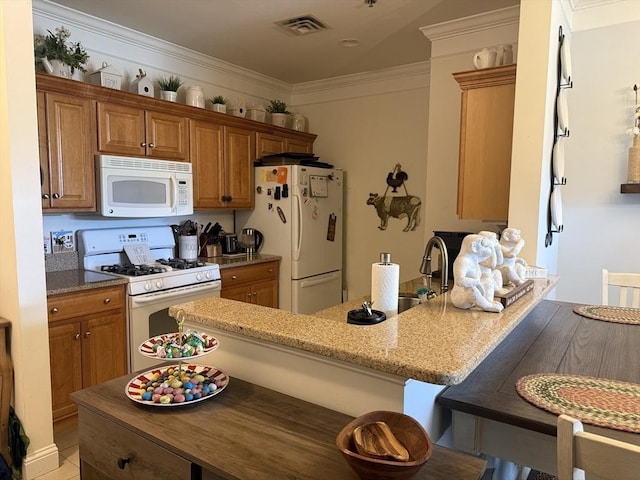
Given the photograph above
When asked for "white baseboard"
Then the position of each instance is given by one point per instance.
(40, 462)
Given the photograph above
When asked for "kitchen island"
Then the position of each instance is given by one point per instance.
(401, 364)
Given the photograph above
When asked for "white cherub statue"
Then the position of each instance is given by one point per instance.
(490, 265)
(513, 268)
(472, 286)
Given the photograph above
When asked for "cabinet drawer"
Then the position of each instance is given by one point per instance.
(71, 305)
(106, 446)
(249, 273)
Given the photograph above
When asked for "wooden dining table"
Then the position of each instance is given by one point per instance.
(488, 415)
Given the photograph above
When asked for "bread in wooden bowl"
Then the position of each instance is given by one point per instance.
(375, 445)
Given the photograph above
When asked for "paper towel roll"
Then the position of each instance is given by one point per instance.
(385, 285)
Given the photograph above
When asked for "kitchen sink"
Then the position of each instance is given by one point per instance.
(405, 302)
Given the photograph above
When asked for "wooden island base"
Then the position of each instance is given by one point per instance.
(245, 432)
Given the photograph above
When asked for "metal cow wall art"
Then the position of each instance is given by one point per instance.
(396, 206)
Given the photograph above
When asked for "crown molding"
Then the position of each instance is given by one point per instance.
(590, 14)
(394, 79)
(472, 24)
(153, 45)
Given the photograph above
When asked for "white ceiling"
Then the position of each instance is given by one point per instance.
(244, 32)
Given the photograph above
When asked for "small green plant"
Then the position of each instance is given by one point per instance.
(277, 106)
(54, 47)
(171, 84)
(218, 99)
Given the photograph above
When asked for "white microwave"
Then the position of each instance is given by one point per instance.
(141, 187)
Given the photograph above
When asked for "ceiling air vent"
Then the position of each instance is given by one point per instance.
(303, 25)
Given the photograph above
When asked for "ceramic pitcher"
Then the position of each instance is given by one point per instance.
(485, 58)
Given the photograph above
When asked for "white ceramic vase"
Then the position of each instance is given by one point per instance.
(219, 107)
(279, 119)
(168, 95)
(57, 68)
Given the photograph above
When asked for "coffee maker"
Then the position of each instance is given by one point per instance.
(230, 244)
(251, 240)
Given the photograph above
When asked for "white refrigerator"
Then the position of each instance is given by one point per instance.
(298, 209)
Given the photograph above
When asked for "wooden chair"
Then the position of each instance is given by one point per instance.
(629, 284)
(580, 452)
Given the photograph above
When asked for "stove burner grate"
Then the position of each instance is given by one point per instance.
(133, 270)
(181, 264)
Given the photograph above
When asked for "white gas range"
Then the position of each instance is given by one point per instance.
(157, 280)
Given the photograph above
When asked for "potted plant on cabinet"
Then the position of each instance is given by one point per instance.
(169, 87)
(219, 104)
(279, 112)
(56, 56)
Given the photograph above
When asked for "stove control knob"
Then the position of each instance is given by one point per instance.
(148, 286)
(208, 275)
(159, 283)
(199, 276)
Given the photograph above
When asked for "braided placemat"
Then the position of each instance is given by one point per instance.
(597, 401)
(609, 314)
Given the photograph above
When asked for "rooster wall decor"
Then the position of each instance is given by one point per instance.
(396, 206)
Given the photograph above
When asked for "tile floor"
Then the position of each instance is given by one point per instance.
(67, 441)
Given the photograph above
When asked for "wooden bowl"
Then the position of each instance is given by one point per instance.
(407, 430)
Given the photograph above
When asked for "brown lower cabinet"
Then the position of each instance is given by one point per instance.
(87, 343)
(257, 284)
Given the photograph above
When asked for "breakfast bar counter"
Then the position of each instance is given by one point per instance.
(400, 364)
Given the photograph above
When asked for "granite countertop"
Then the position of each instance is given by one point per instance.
(77, 279)
(433, 342)
(68, 281)
(241, 260)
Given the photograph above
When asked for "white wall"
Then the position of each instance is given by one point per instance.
(22, 285)
(367, 131)
(602, 227)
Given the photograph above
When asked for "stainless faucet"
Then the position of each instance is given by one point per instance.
(425, 268)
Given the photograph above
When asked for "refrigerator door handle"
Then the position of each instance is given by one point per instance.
(318, 281)
(297, 228)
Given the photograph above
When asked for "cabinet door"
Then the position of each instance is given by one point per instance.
(239, 156)
(266, 293)
(121, 129)
(207, 157)
(167, 136)
(66, 367)
(104, 355)
(484, 167)
(298, 146)
(69, 163)
(269, 144)
(241, 293)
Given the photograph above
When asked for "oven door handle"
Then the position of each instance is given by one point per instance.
(179, 292)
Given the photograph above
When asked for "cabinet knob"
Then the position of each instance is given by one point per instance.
(143, 144)
(233, 277)
(54, 310)
(122, 462)
(107, 300)
(151, 145)
(270, 270)
(56, 195)
(77, 336)
(45, 196)
(87, 334)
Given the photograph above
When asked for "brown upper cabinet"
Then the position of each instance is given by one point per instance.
(125, 130)
(486, 131)
(65, 130)
(222, 162)
(269, 144)
(77, 120)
